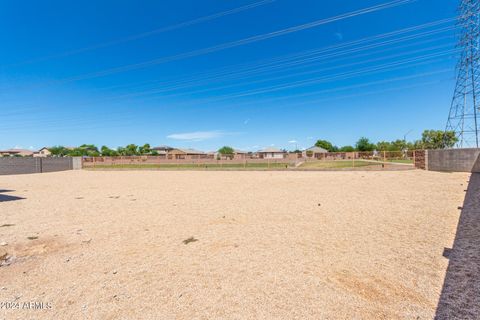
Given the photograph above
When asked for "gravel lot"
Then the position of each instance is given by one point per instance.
(226, 245)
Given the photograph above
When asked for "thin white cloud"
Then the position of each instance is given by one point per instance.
(197, 135)
(339, 36)
(292, 141)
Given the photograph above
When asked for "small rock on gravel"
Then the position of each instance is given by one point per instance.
(3, 255)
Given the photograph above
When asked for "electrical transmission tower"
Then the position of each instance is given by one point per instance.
(464, 117)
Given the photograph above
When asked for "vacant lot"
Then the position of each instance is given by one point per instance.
(227, 245)
(339, 164)
(191, 166)
(308, 165)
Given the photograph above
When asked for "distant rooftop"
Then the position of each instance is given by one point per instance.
(191, 151)
(162, 147)
(317, 149)
(16, 151)
(271, 149)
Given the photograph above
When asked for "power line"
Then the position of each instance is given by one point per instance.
(236, 43)
(130, 113)
(289, 66)
(327, 55)
(312, 52)
(147, 33)
(291, 62)
(362, 72)
(288, 75)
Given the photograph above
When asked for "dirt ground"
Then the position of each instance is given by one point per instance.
(226, 245)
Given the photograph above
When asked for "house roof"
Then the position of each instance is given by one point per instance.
(190, 151)
(16, 151)
(162, 147)
(271, 150)
(317, 149)
(239, 151)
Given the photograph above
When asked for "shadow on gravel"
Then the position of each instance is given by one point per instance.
(5, 198)
(460, 298)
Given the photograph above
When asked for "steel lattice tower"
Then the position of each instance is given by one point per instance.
(464, 114)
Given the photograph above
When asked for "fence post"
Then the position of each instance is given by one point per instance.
(353, 159)
(41, 165)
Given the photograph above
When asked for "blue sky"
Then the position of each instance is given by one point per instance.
(204, 74)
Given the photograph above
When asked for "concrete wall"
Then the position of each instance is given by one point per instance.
(455, 160)
(77, 163)
(14, 165)
(476, 166)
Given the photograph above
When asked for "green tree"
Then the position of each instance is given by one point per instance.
(399, 145)
(226, 151)
(88, 150)
(347, 149)
(364, 144)
(437, 139)
(145, 149)
(131, 150)
(107, 152)
(327, 145)
(59, 151)
(121, 151)
(384, 146)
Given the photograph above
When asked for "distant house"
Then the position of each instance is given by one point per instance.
(314, 152)
(239, 154)
(16, 153)
(42, 153)
(188, 154)
(213, 154)
(271, 153)
(163, 149)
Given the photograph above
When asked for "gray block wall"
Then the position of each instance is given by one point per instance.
(454, 160)
(476, 166)
(14, 165)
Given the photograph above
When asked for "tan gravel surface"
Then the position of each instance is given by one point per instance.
(261, 245)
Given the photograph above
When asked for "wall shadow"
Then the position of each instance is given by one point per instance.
(460, 297)
(5, 198)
